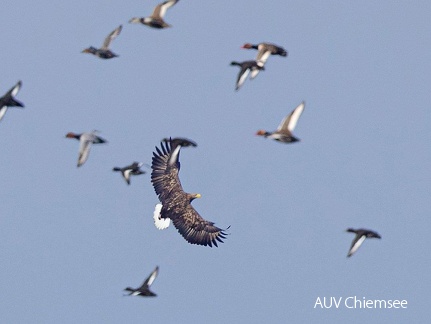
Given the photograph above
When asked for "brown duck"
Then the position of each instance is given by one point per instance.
(156, 18)
(284, 131)
(104, 52)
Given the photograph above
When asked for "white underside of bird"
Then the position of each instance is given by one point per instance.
(356, 246)
(159, 222)
(3, 111)
(261, 62)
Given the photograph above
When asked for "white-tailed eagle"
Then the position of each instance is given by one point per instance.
(175, 203)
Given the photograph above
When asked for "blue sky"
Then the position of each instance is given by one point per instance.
(72, 239)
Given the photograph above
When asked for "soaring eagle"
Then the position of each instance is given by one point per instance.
(175, 203)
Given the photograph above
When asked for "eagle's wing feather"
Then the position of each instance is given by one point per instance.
(197, 230)
(165, 176)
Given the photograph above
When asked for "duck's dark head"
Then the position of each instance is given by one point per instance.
(91, 50)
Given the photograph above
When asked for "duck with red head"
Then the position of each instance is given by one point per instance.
(85, 142)
(284, 131)
(264, 51)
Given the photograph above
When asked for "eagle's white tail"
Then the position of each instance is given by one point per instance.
(159, 222)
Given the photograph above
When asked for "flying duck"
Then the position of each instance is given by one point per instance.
(144, 289)
(85, 141)
(286, 127)
(175, 204)
(104, 52)
(132, 169)
(156, 18)
(246, 67)
(8, 100)
(361, 235)
(264, 51)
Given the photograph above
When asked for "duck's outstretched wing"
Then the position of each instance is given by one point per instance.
(289, 122)
(149, 281)
(111, 37)
(160, 9)
(84, 149)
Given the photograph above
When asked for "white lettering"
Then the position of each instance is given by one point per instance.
(324, 302)
(339, 301)
(345, 302)
(355, 302)
(318, 302)
(380, 303)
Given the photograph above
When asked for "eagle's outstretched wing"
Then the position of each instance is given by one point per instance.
(165, 166)
(197, 230)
